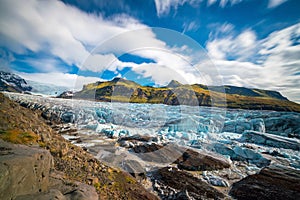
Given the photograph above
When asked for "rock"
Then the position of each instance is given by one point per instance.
(146, 148)
(24, 171)
(82, 192)
(272, 182)
(270, 140)
(134, 168)
(160, 154)
(216, 181)
(183, 195)
(134, 138)
(172, 184)
(198, 160)
(53, 194)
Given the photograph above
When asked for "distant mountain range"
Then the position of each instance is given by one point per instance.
(175, 93)
(11, 82)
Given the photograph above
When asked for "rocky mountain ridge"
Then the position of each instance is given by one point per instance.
(175, 93)
(13, 83)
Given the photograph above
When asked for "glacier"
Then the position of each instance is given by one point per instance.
(257, 137)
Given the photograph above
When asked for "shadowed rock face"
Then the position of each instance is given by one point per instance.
(273, 182)
(195, 161)
(13, 83)
(171, 183)
(185, 158)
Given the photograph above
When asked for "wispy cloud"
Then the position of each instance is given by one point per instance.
(63, 31)
(237, 56)
(192, 26)
(275, 3)
(163, 7)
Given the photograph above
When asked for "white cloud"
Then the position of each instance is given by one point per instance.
(238, 47)
(5, 59)
(275, 3)
(72, 81)
(163, 6)
(165, 75)
(223, 3)
(190, 26)
(61, 31)
(279, 66)
(211, 2)
(58, 29)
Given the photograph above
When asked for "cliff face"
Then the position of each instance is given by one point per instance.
(176, 93)
(13, 83)
(52, 165)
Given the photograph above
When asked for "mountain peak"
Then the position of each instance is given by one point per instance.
(123, 80)
(174, 84)
(117, 79)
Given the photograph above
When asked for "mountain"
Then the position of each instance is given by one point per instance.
(174, 84)
(175, 93)
(13, 83)
(244, 91)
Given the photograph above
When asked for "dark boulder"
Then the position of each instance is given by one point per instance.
(273, 182)
(196, 160)
(170, 183)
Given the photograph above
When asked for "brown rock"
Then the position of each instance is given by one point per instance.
(171, 183)
(273, 182)
(24, 170)
(83, 192)
(157, 153)
(201, 161)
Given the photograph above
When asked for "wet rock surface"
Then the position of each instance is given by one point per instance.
(273, 182)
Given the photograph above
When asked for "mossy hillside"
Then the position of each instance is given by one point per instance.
(122, 90)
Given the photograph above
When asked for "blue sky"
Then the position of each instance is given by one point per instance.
(251, 43)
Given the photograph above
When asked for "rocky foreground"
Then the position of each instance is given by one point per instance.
(46, 166)
(254, 156)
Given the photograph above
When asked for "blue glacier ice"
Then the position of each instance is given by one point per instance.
(209, 128)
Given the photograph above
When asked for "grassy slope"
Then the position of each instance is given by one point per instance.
(236, 97)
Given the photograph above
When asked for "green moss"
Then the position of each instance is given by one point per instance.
(97, 186)
(18, 137)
